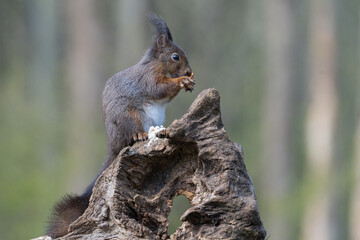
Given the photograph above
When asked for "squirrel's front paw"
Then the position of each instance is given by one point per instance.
(188, 83)
(140, 136)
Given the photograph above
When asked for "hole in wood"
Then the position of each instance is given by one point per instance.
(180, 205)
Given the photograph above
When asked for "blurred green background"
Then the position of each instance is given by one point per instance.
(288, 73)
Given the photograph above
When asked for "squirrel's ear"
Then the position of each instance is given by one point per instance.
(162, 40)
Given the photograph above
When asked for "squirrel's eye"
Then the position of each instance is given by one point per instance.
(175, 57)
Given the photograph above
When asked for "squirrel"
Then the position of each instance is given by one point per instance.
(133, 100)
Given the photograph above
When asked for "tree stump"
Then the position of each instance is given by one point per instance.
(193, 157)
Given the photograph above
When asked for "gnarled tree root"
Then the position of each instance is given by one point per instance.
(193, 157)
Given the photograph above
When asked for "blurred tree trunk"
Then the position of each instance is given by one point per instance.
(320, 122)
(42, 80)
(83, 60)
(347, 75)
(131, 37)
(277, 107)
(355, 196)
(42, 72)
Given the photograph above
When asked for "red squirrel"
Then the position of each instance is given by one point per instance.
(133, 100)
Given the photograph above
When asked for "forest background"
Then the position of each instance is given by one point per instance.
(288, 73)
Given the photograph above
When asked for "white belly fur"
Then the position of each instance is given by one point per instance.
(155, 111)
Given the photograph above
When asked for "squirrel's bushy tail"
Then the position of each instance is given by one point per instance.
(70, 208)
(65, 212)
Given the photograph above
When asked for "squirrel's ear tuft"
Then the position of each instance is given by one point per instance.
(161, 27)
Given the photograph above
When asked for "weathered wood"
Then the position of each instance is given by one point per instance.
(193, 157)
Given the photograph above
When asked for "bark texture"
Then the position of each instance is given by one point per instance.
(193, 157)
